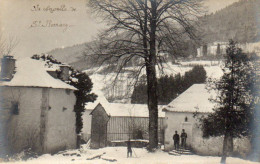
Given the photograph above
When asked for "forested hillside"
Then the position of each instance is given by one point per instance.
(68, 54)
(237, 21)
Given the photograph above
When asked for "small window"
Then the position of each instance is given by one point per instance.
(67, 91)
(63, 109)
(15, 108)
(186, 119)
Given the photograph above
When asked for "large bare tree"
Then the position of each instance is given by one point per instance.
(138, 30)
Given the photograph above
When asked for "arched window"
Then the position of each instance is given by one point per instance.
(186, 119)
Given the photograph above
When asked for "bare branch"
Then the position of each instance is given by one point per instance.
(7, 45)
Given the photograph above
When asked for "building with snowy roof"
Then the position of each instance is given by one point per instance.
(36, 109)
(87, 117)
(106, 122)
(219, 48)
(179, 114)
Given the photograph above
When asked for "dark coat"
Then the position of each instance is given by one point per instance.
(129, 145)
(183, 135)
(176, 138)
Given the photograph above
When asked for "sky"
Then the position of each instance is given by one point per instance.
(214, 5)
(30, 22)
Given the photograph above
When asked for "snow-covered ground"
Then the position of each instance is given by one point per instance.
(200, 62)
(118, 155)
(124, 83)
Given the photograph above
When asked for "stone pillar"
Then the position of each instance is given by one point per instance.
(44, 118)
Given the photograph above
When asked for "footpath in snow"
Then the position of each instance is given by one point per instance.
(118, 155)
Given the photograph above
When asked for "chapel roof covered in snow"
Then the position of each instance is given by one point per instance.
(194, 99)
(32, 73)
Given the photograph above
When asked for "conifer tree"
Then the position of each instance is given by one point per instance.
(169, 87)
(84, 85)
(235, 102)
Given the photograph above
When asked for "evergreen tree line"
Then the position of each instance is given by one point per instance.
(169, 87)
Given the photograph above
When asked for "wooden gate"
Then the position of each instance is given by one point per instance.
(99, 127)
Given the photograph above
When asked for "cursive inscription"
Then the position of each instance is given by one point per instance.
(50, 9)
(50, 23)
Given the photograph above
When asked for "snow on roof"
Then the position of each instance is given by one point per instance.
(123, 110)
(194, 99)
(52, 67)
(32, 73)
(100, 99)
(133, 110)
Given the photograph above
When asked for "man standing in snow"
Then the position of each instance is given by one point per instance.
(183, 139)
(176, 140)
(129, 148)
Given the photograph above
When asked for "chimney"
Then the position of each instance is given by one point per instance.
(53, 73)
(64, 72)
(7, 68)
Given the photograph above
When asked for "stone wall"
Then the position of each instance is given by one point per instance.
(61, 122)
(203, 146)
(86, 130)
(22, 128)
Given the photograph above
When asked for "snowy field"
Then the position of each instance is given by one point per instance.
(118, 155)
(124, 84)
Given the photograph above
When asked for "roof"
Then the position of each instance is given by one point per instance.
(53, 66)
(122, 110)
(133, 110)
(100, 100)
(32, 73)
(194, 99)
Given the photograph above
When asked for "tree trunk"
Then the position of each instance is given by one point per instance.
(231, 145)
(224, 153)
(227, 147)
(152, 101)
(152, 83)
(152, 106)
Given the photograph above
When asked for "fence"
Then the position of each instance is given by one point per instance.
(123, 128)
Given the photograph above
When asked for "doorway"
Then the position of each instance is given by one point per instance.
(187, 126)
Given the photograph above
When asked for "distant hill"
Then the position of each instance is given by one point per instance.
(237, 21)
(73, 55)
(82, 63)
(68, 54)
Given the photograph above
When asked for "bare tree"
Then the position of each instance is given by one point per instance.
(1, 44)
(7, 45)
(139, 30)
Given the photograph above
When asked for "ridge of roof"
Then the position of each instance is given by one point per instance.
(194, 99)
